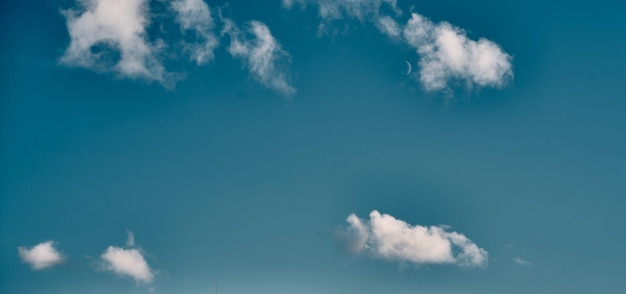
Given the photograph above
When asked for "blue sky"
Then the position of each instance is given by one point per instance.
(281, 147)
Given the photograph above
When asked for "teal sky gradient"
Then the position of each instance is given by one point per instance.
(221, 178)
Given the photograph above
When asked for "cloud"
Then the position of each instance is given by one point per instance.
(41, 256)
(389, 27)
(261, 54)
(446, 53)
(130, 240)
(128, 262)
(385, 237)
(362, 10)
(195, 15)
(330, 10)
(110, 36)
(523, 262)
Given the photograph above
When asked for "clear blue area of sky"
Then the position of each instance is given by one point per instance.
(223, 179)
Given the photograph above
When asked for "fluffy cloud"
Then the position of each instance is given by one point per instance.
(195, 16)
(110, 36)
(331, 10)
(385, 237)
(41, 256)
(261, 54)
(446, 53)
(128, 262)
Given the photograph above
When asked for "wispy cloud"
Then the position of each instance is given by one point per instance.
(195, 16)
(389, 27)
(446, 53)
(41, 256)
(385, 237)
(362, 10)
(261, 54)
(519, 261)
(130, 239)
(110, 36)
(128, 262)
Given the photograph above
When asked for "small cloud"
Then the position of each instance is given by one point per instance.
(110, 36)
(261, 54)
(446, 53)
(128, 262)
(389, 27)
(522, 262)
(388, 238)
(130, 240)
(195, 16)
(339, 9)
(41, 256)
(362, 10)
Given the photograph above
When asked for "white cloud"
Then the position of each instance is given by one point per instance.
(261, 54)
(41, 256)
(520, 261)
(128, 262)
(110, 36)
(130, 240)
(195, 15)
(362, 10)
(385, 237)
(330, 10)
(389, 27)
(446, 53)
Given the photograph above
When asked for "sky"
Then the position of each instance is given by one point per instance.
(301, 146)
